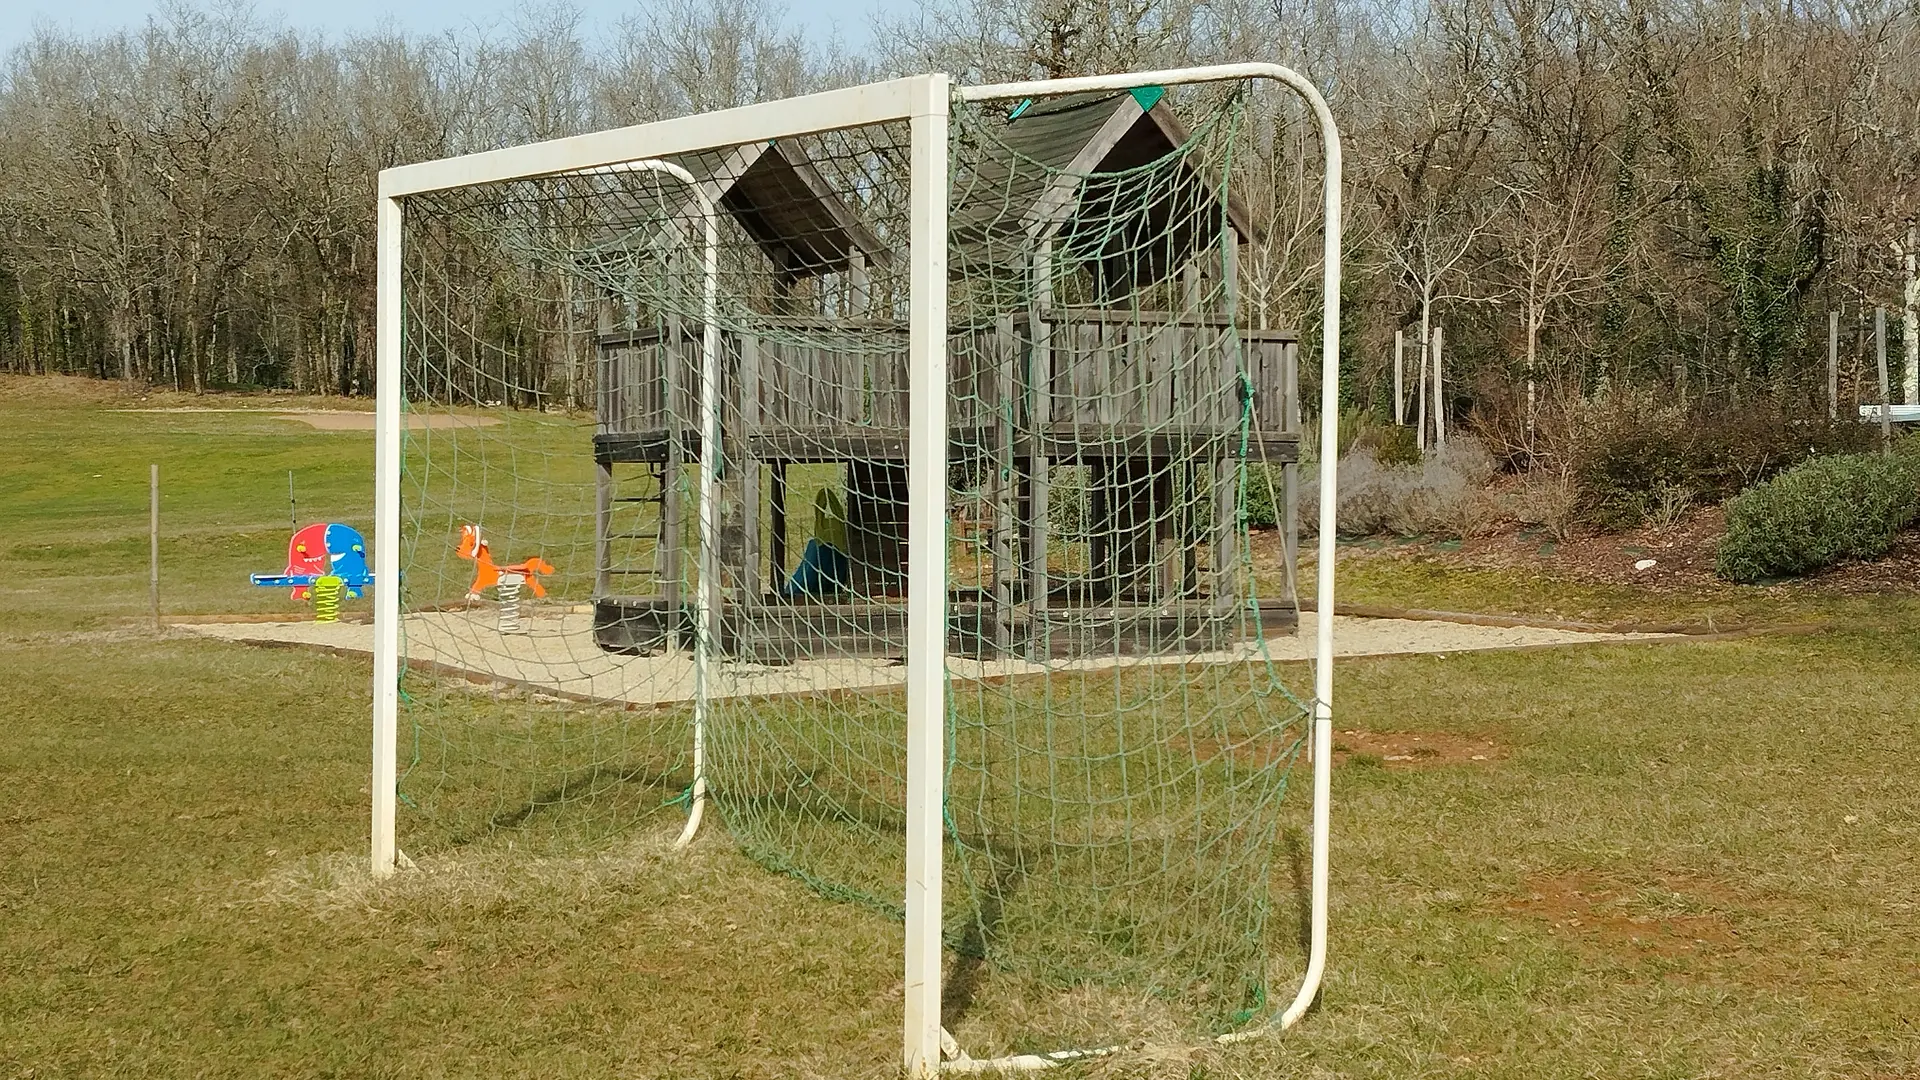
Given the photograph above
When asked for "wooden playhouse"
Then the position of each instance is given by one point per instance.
(1104, 402)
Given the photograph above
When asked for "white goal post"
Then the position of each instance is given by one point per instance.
(923, 102)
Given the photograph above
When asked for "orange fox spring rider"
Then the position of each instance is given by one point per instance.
(507, 579)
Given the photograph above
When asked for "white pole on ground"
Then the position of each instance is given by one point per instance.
(153, 529)
(1329, 438)
(388, 394)
(1323, 593)
(926, 571)
(706, 598)
(1886, 391)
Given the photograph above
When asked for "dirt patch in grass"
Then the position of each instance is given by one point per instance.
(1673, 917)
(1393, 749)
(328, 420)
(338, 881)
(1415, 749)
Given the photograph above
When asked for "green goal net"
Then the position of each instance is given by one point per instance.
(655, 557)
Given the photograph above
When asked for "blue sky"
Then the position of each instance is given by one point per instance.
(19, 17)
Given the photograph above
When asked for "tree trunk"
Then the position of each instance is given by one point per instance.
(1426, 350)
(1533, 358)
(1399, 376)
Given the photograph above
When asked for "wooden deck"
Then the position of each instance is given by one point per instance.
(1153, 405)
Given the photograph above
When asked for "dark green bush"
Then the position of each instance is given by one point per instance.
(1263, 487)
(1070, 499)
(1847, 506)
(1630, 455)
(1390, 444)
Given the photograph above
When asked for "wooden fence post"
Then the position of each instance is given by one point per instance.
(153, 529)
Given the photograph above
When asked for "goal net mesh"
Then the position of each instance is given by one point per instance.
(575, 591)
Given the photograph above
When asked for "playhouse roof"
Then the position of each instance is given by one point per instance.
(782, 203)
(1050, 172)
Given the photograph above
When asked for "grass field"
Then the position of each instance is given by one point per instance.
(1695, 860)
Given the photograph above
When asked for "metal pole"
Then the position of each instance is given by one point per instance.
(1886, 395)
(388, 393)
(706, 620)
(153, 514)
(926, 572)
(706, 598)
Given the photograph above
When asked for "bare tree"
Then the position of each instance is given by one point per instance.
(1553, 255)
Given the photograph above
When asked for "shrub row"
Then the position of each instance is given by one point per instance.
(1848, 506)
(1634, 459)
(1443, 492)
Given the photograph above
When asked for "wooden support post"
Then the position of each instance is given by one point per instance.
(859, 285)
(777, 547)
(1190, 534)
(602, 527)
(1226, 533)
(153, 528)
(1833, 366)
(751, 589)
(786, 281)
(1166, 546)
(1097, 522)
(1290, 478)
(1420, 395)
(1226, 487)
(1039, 469)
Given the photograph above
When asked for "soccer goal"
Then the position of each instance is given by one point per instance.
(870, 480)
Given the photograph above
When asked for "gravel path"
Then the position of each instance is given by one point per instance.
(557, 653)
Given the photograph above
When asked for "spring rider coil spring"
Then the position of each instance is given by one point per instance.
(326, 598)
(509, 589)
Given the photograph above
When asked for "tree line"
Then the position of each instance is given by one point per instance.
(1584, 193)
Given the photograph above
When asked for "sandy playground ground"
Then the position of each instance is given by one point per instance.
(555, 653)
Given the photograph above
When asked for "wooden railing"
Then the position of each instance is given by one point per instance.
(1106, 371)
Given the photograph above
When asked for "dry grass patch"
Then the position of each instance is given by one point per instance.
(1673, 917)
(1415, 749)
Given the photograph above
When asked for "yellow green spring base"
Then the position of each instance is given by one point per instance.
(326, 598)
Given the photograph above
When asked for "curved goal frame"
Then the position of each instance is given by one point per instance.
(923, 102)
